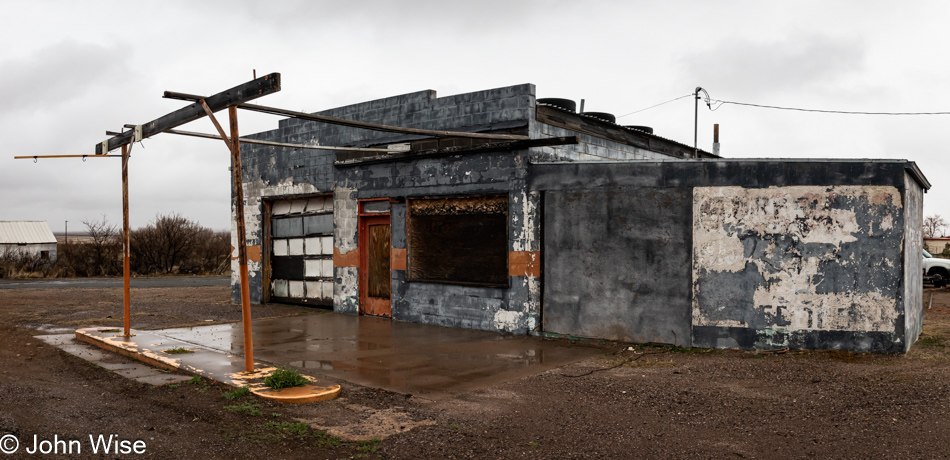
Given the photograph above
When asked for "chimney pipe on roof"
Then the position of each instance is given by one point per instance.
(716, 139)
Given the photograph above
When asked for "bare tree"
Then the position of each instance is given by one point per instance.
(934, 226)
(166, 245)
(99, 257)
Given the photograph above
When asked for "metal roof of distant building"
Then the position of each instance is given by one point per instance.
(25, 231)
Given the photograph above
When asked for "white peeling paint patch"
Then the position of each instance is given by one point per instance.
(736, 229)
(288, 187)
(345, 219)
(507, 321)
(828, 311)
(527, 238)
(533, 305)
(345, 289)
(532, 322)
(887, 223)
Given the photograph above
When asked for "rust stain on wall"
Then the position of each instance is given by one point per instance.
(524, 263)
(350, 259)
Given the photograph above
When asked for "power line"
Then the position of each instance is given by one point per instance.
(710, 102)
(657, 105)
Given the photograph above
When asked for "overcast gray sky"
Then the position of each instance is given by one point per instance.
(69, 71)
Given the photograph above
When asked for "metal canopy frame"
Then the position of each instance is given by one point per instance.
(232, 99)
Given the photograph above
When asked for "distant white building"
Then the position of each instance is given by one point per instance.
(29, 237)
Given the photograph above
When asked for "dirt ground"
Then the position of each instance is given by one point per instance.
(650, 402)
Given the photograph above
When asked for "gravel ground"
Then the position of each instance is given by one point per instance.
(650, 402)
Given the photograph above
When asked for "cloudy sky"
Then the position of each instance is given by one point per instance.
(69, 71)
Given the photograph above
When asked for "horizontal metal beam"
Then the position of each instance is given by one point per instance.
(33, 157)
(242, 93)
(354, 123)
(480, 148)
(277, 144)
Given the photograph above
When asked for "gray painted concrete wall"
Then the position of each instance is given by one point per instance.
(913, 263)
(804, 254)
(616, 264)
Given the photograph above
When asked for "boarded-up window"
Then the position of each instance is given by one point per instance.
(459, 240)
(301, 259)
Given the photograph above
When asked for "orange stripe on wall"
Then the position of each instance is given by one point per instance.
(253, 253)
(350, 259)
(524, 263)
(397, 259)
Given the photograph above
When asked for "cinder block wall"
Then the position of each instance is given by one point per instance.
(513, 309)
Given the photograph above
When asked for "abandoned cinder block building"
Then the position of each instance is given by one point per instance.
(588, 229)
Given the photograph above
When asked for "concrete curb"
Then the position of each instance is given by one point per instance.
(150, 348)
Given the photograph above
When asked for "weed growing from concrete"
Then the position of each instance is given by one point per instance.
(285, 377)
(177, 351)
(195, 380)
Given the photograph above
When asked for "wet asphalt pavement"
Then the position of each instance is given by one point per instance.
(177, 281)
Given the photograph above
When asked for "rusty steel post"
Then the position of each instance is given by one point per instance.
(126, 295)
(242, 239)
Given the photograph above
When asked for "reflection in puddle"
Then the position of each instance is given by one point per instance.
(397, 356)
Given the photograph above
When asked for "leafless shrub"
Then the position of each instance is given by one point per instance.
(102, 256)
(18, 264)
(173, 244)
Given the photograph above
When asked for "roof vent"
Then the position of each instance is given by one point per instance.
(565, 104)
(602, 115)
(645, 129)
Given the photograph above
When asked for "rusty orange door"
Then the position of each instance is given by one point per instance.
(375, 277)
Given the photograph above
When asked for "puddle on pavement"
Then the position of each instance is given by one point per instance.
(393, 355)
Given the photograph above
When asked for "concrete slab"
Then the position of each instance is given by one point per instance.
(423, 360)
(151, 348)
(119, 364)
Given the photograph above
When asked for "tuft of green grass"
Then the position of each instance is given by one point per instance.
(369, 447)
(195, 380)
(172, 386)
(534, 444)
(247, 408)
(237, 393)
(298, 428)
(109, 331)
(177, 351)
(326, 441)
(285, 377)
(930, 341)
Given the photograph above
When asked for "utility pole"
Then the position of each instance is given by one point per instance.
(696, 121)
(696, 124)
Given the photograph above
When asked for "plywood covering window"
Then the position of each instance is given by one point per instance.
(459, 240)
